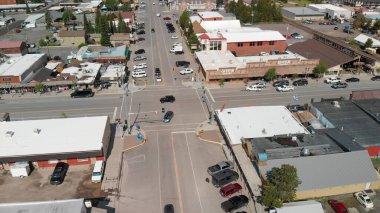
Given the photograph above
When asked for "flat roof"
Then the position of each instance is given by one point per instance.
(309, 206)
(210, 14)
(354, 121)
(302, 11)
(110, 52)
(86, 73)
(114, 71)
(328, 6)
(88, 5)
(10, 44)
(248, 36)
(20, 6)
(326, 171)
(370, 106)
(362, 39)
(56, 206)
(51, 136)
(16, 66)
(258, 122)
(221, 25)
(55, 8)
(34, 17)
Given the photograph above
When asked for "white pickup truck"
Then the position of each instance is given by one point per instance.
(285, 88)
(186, 71)
(332, 80)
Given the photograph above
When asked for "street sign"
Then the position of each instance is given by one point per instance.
(139, 137)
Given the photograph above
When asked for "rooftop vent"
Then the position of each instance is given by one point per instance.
(36, 131)
(305, 152)
(336, 104)
(294, 138)
(264, 131)
(9, 134)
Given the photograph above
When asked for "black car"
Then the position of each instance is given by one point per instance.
(141, 39)
(168, 98)
(295, 108)
(281, 83)
(234, 203)
(157, 72)
(339, 85)
(169, 208)
(82, 93)
(59, 173)
(152, 30)
(300, 82)
(168, 116)
(141, 32)
(352, 80)
(139, 51)
(182, 63)
(376, 78)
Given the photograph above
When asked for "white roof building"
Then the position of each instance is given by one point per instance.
(331, 10)
(86, 74)
(56, 206)
(309, 206)
(251, 36)
(210, 15)
(88, 5)
(221, 26)
(30, 22)
(195, 18)
(113, 72)
(258, 122)
(21, 140)
(362, 39)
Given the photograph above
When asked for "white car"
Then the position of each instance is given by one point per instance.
(253, 88)
(174, 37)
(332, 80)
(158, 78)
(260, 85)
(186, 71)
(138, 74)
(364, 200)
(285, 88)
(158, 15)
(154, 3)
(140, 66)
(264, 54)
(177, 44)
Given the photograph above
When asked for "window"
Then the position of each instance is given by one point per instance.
(51, 161)
(251, 43)
(271, 43)
(82, 159)
(215, 45)
(7, 79)
(260, 43)
(240, 44)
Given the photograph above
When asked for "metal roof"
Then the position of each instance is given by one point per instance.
(56, 206)
(326, 171)
(302, 11)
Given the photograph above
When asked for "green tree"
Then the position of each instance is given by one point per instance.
(104, 39)
(270, 74)
(184, 20)
(27, 7)
(126, 7)
(38, 87)
(190, 30)
(42, 42)
(368, 24)
(121, 26)
(319, 70)
(192, 39)
(111, 4)
(98, 17)
(280, 186)
(231, 7)
(48, 20)
(87, 25)
(376, 25)
(219, 3)
(368, 43)
(67, 17)
(359, 21)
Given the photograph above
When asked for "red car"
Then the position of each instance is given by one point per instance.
(167, 18)
(337, 206)
(230, 189)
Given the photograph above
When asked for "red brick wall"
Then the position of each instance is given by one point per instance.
(71, 162)
(6, 2)
(373, 151)
(9, 79)
(247, 50)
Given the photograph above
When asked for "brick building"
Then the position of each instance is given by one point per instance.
(7, 2)
(210, 16)
(13, 48)
(44, 143)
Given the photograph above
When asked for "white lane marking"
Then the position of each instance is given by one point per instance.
(130, 109)
(212, 98)
(192, 169)
(201, 102)
(159, 169)
(114, 114)
(182, 132)
(177, 177)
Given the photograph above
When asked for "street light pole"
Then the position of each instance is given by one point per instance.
(134, 122)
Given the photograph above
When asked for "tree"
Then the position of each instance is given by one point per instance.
(87, 25)
(48, 20)
(111, 4)
(319, 70)
(368, 24)
(359, 21)
(27, 7)
(67, 17)
(368, 43)
(376, 25)
(270, 74)
(104, 39)
(121, 26)
(38, 87)
(126, 7)
(184, 20)
(98, 17)
(192, 39)
(219, 3)
(280, 186)
(190, 30)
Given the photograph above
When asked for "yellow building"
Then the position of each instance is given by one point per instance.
(72, 38)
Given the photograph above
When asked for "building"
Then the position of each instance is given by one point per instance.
(197, 5)
(362, 39)
(72, 38)
(18, 7)
(56, 206)
(128, 17)
(216, 65)
(30, 22)
(302, 13)
(357, 118)
(210, 16)
(87, 73)
(118, 54)
(221, 26)
(331, 11)
(336, 60)
(114, 73)
(91, 6)
(7, 2)
(362, 3)
(309, 206)
(44, 143)
(120, 39)
(21, 69)
(13, 48)
(6, 20)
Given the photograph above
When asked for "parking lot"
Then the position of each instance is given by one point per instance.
(36, 187)
(352, 204)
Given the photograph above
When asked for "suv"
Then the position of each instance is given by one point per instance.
(230, 189)
(82, 93)
(168, 98)
(234, 203)
(364, 200)
(376, 78)
(223, 165)
(139, 51)
(59, 173)
(280, 83)
(182, 63)
(168, 116)
(300, 82)
(157, 72)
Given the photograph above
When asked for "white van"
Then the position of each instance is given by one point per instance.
(97, 174)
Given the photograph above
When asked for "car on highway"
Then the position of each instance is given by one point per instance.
(352, 79)
(332, 80)
(168, 98)
(139, 74)
(296, 108)
(186, 71)
(230, 189)
(285, 88)
(174, 37)
(168, 116)
(169, 208)
(82, 93)
(376, 78)
(337, 206)
(364, 200)
(139, 51)
(140, 66)
(223, 165)
(234, 203)
(300, 82)
(59, 173)
(182, 63)
(339, 85)
(139, 58)
(253, 88)
(280, 83)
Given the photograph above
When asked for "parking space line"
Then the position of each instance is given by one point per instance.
(177, 176)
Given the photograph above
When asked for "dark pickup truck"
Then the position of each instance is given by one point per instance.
(234, 203)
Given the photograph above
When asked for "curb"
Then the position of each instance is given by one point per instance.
(208, 141)
(136, 146)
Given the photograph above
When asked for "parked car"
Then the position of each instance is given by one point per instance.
(337, 206)
(332, 80)
(140, 32)
(264, 54)
(152, 30)
(260, 85)
(234, 203)
(59, 173)
(295, 108)
(82, 93)
(296, 35)
(186, 71)
(157, 71)
(158, 78)
(223, 165)
(139, 51)
(376, 78)
(167, 18)
(253, 88)
(139, 74)
(168, 98)
(141, 39)
(139, 58)
(177, 44)
(230, 189)
(174, 37)
(158, 15)
(339, 85)
(140, 66)
(168, 116)
(182, 63)
(280, 83)
(285, 88)
(300, 82)
(169, 208)
(352, 80)
(364, 200)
